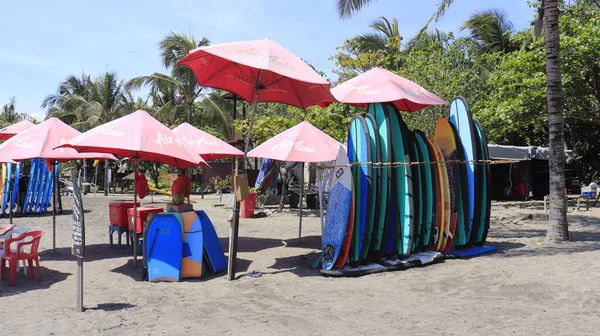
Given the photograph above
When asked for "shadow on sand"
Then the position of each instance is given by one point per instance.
(92, 253)
(26, 284)
(108, 307)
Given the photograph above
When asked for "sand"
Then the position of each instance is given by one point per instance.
(525, 288)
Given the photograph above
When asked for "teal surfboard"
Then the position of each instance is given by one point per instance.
(358, 152)
(386, 223)
(428, 189)
(462, 194)
(403, 176)
(486, 185)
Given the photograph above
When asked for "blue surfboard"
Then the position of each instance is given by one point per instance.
(212, 246)
(49, 189)
(164, 247)
(43, 174)
(460, 116)
(338, 210)
(29, 186)
(15, 193)
(358, 141)
(7, 188)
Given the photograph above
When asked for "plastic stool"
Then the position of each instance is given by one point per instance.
(119, 230)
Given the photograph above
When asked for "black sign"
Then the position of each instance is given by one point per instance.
(78, 249)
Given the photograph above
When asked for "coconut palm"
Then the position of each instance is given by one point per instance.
(180, 86)
(385, 33)
(548, 15)
(9, 114)
(490, 31)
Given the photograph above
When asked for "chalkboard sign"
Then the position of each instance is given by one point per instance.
(78, 249)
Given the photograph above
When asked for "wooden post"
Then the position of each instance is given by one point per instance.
(78, 249)
(233, 234)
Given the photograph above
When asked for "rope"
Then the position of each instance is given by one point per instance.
(382, 164)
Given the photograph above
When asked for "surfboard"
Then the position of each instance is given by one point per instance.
(375, 199)
(213, 251)
(418, 192)
(29, 186)
(47, 191)
(460, 116)
(486, 185)
(193, 246)
(41, 187)
(360, 173)
(15, 193)
(445, 204)
(7, 188)
(463, 190)
(338, 210)
(403, 179)
(444, 138)
(345, 249)
(385, 176)
(164, 246)
(36, 185)
(2, 183)
(438, 217)
(428, 189)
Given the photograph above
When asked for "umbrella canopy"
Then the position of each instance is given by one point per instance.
(10, 131)
(208, 146)
(41, 140)
(302, 143)
(247, 67)
(137, 136)
(379, 85)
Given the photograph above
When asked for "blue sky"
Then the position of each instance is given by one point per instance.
(43, 42)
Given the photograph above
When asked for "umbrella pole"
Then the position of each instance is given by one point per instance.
(54, 182)
(301, 205)
(135, 235)
(235, 223)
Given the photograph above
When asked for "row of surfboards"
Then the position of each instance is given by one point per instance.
(181, 245)
(404, 192)
(40, 186)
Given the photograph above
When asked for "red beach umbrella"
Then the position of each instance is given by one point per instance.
(379, 85)
(258, 71)
(139, 137)
(40, 141)
(302, 143)
(206, 145)
(10, 131)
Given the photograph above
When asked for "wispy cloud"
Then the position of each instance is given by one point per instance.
(24, 59)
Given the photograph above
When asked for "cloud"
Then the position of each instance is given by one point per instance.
(24, 59)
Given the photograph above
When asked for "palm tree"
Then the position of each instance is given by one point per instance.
(383, 37)
(558, 229)
(9, 114)
(180, 87)
(490, 31)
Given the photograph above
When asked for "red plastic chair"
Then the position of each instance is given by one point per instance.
(13, 255)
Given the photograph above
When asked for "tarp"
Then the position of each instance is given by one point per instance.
(502, 152)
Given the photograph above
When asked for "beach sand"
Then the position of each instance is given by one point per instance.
(526, 288)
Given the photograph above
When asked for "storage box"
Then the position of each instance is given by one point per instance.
(118, 212)
(172, 207)
(142, 214)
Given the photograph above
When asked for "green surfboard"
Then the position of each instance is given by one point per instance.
(428, 189)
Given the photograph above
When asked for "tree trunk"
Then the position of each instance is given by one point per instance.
(558, 230)
(106, 184)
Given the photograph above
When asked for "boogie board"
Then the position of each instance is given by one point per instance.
(193, 246)
(345, 249)
(213, 251)
(460, 116)
(164, 247)
(403, 178)
(338, 210)
(444, 138)
(486, 185)
(385, 176)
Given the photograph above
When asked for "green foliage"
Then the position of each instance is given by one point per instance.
(221, 184)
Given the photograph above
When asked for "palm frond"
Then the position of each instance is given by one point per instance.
(347, 8)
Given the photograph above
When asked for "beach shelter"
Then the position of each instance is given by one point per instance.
(379, 85)
(40, 141)
(139, 137)
(258, 71)
(206, 145)
(14, 129)
(301, 143)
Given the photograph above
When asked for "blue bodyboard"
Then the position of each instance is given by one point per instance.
(212, 246)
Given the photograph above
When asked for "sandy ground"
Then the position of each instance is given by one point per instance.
(525, 288)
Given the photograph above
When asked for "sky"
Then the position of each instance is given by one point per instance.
(43, 42)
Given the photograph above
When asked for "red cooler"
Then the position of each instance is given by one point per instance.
(142, 214)
(118, 212)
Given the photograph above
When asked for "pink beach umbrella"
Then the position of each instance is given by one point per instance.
(302, 143)
(40, 141)
(379, 85)
(208, 146)
(139, 137)
(12, 130)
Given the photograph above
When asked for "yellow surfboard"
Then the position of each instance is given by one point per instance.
(3, 179)
(444, 199)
